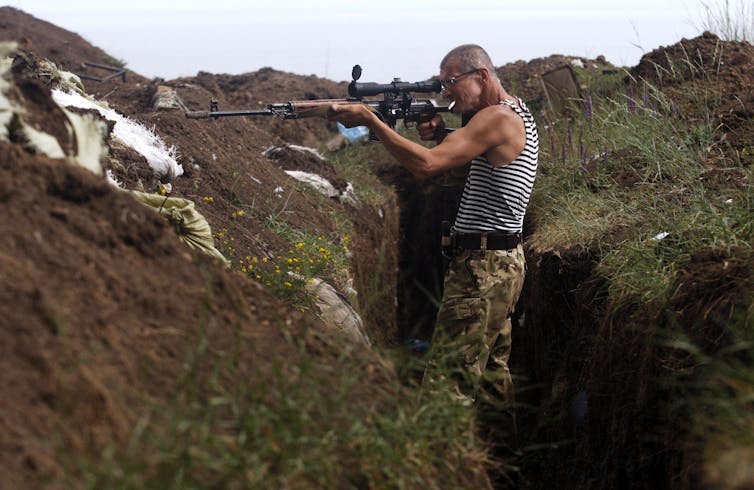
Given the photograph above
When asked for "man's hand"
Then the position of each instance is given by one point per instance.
(351, 115)
(432, 129)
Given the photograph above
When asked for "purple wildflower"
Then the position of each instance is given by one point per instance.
(551, 134)
(588, 108)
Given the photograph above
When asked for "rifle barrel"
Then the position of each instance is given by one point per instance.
(216, 114)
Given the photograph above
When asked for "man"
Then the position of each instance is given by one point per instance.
(486, 272)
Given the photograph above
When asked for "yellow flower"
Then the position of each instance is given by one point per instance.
(288, 285)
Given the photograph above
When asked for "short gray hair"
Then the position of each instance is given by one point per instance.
(469, 57)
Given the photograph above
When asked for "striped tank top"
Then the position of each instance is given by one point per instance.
(495, 198)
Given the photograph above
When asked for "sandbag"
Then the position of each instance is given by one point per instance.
(190, 225)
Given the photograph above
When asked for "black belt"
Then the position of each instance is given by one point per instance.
(486, 241)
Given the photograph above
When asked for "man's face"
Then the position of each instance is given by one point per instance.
(461, 88)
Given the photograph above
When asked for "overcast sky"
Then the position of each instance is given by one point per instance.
(388, 38)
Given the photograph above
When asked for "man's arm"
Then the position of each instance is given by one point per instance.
(486, 130)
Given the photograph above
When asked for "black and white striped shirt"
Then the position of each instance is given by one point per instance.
(495, 198)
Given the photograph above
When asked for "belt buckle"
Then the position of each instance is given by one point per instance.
(448, 242)
(483, 241)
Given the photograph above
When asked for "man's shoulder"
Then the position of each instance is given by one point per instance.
(502, 115)
(492, 113)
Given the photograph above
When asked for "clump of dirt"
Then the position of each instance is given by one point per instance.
(67, 49)
(707, 57)
(293, 158)
(687, 71)
(94, 285)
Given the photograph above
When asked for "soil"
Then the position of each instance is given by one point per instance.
(708, 61)
(100, 302)
(99, 299)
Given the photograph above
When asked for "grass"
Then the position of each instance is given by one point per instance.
(112, 61)
(631, 170)
(732, 21)
(356, 164)
(310, 256)
(225, 430)
(286, 275)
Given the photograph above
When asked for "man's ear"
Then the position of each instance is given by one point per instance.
(484, 73)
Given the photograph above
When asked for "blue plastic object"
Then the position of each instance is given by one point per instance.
(356, 134)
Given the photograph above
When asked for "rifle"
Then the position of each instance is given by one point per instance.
(397, 103)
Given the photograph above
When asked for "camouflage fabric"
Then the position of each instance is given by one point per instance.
(472, 338)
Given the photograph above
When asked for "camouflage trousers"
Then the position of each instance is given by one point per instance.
(471, 344)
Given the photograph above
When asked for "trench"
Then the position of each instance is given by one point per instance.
(586, 415)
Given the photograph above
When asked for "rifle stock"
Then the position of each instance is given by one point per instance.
(319, 107)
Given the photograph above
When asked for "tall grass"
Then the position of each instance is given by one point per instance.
(731, 21)
(633, 167)
(307, 421)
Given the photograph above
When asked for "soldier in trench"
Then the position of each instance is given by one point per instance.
(472, 338)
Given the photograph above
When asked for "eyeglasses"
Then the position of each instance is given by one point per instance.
(450, 81)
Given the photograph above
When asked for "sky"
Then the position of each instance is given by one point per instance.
(389, 38)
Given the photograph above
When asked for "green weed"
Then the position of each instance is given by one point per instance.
(303, 423)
